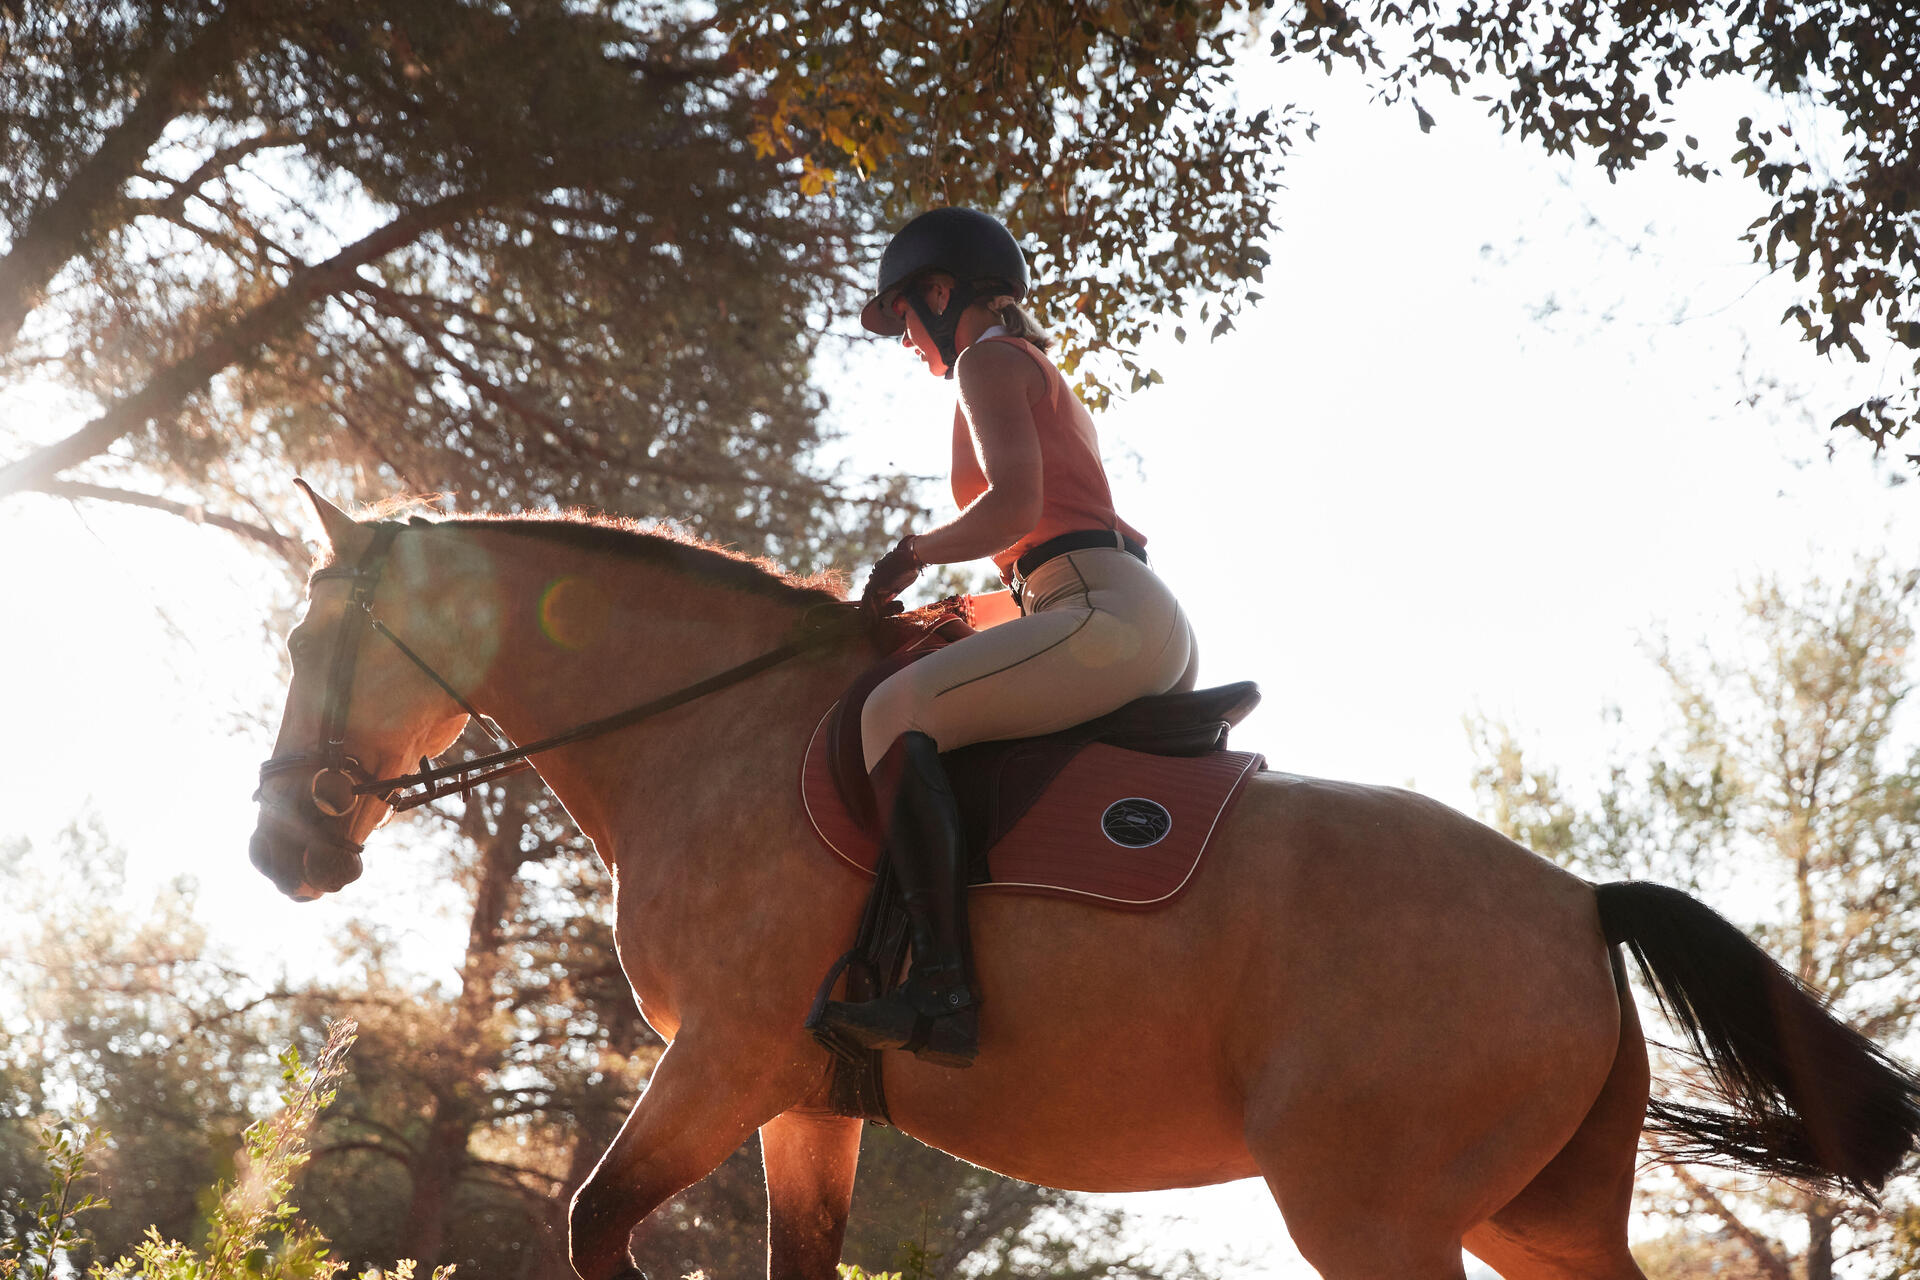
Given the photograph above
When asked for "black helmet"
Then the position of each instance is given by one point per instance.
(968, 245)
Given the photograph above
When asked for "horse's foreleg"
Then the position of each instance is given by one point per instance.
(810, 1158)
(697, 1110)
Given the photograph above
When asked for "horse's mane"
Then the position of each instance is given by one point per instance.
(661, 542)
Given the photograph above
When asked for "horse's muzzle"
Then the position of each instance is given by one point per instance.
(302, 860)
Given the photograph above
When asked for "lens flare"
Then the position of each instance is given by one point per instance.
(573, 613)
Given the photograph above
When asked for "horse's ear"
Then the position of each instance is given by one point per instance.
(336, 525)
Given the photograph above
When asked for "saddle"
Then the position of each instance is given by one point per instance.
(1116, 811)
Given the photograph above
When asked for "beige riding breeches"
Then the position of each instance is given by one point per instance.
(1098, 629)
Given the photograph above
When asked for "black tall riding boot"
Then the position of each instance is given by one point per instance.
(933, 1013)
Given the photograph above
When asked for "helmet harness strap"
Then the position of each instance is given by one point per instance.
(942, 326)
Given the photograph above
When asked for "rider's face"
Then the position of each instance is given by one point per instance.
(915, 336)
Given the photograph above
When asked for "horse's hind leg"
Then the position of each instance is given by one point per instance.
(810, 1158)
(1570, 1223)
(1386, 1141)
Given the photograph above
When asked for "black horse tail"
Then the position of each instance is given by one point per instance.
(1810, 1099)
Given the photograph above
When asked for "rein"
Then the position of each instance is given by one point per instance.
(515, 758)
(816, 627)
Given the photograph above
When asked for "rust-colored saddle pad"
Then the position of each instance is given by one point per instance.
(1080, 813)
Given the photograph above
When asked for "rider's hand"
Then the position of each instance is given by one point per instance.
(893, 574)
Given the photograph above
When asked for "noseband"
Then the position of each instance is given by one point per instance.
(339, 781)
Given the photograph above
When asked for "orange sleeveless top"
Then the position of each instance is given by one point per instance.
(1074, 494)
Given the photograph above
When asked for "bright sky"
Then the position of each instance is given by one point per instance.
(1394, 497)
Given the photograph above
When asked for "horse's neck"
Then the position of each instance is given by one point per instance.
(704, 781)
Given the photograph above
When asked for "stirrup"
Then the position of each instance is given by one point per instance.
(895, 1021)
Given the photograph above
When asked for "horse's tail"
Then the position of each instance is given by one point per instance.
(1811, 1099)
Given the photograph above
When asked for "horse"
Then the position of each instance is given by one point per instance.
(1419, 1033)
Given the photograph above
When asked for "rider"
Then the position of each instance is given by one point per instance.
(1096, 630)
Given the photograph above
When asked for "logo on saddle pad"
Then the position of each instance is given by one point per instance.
(1136, 822)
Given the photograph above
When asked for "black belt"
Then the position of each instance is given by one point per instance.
(1078, 540)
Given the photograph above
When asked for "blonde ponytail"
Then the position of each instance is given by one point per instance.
(1019, 321)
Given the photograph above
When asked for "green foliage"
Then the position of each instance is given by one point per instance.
(507, 252)
(45, 1237)
(1106, 134)
(1605, 79)
(1903, 1259)
(585, 252)
(124, 1019)
(254, 1231)
(548, 251)
(254, 1210)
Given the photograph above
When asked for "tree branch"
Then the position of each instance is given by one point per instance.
(1769, 1262)
(377, 1148)
(213, 166)
(64, 228)
(169, 389)
(289, 549)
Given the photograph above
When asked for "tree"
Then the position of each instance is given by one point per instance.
(586, 251)
(1607, 79)
(506, 253)
(1781, 784)
(581, 252)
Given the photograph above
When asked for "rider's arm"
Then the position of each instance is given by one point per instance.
(998, 384)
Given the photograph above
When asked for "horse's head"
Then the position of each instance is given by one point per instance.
(357, 710)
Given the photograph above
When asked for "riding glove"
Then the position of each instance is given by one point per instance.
(893, 574)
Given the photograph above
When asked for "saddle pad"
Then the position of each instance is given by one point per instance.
(1116, 827)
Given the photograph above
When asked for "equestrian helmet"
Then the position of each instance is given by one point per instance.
(968, 245)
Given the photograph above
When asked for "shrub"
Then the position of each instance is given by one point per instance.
(254, 1231)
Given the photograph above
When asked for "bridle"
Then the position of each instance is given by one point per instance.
(339, 781)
